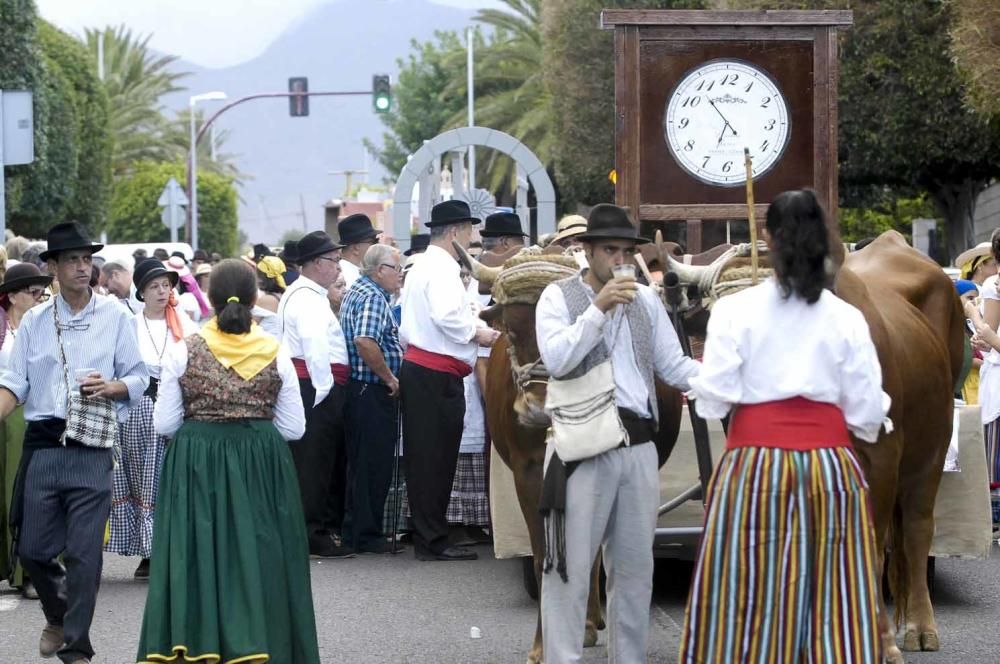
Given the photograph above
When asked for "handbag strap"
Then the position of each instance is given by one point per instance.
(62, 353)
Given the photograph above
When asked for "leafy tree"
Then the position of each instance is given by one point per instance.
(135, 78)
(579, 68)
(975, 37)
(135, 216)
(92, 181)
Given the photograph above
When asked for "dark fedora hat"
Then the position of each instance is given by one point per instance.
(150, 269)
(68, 236)
(356, 228)
(610, 222)
(290, 254)
(502, 224)
(315, 244)
(418, 244)
(451, 212)
(23, 275)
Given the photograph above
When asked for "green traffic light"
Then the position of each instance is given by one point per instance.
(382, 104)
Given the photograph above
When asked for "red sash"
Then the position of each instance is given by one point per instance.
(790, 424)
(341, 372)
(437, 362)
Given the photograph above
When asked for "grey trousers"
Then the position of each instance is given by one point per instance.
(67, 499)
(611, 501)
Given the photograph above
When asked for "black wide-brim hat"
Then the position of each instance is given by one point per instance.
(315, 244)
(502, 224)
(418, 243)
(68, 236)
(356, 228)
(610, 222)
(23, 275)
(290, 254)
(150, 269)
(451, 212)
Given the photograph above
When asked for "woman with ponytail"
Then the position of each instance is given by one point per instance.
(158, 327)
(786, 570)
(229, 513)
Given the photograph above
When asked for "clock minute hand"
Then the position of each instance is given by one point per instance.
(725, 119)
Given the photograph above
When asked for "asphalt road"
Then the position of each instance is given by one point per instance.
(396, 609)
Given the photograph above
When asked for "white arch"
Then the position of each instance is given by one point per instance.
(463, 137)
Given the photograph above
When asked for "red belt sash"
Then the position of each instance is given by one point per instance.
(790, 424)
(341, 372)
(437, 362)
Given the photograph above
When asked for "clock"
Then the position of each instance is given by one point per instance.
(717, 109)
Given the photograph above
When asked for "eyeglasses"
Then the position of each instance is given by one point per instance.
(397, 268)
(37, 293)
(327, 258)
(76, 327)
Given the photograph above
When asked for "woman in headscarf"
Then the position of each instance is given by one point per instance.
(23, 287)
(230, 515)
(270, 273)
(158, 327)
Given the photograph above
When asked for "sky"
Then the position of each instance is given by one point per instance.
(191, 28)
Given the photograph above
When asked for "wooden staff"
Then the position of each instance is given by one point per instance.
(751, 217)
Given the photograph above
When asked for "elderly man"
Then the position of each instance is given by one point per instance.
(442, 336)
(610, 498)
(313, 338)
(77, 341)
(118, 281)
(502, 232)
(371, 413)
(356, 234)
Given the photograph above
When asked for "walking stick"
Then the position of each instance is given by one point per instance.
(395, 478)
(751, 217)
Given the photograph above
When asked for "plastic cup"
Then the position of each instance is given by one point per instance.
(624, 270)
(475, 633)
(80, 375)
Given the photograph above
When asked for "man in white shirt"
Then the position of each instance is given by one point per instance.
(441, 335)
(611, 499)
(356, 235)
(118, 281)
(314, 340)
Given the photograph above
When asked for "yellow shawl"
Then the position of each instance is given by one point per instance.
(247, 354)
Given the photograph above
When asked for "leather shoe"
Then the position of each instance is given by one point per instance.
(51, 641)
(451, 553)
(328, 548)
(28, 590)
(142, 571)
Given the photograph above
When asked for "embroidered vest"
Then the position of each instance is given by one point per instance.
(640, 328)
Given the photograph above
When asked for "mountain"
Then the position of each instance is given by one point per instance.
(338, 46)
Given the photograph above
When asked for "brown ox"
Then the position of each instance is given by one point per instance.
(916, 322)
(517, 425)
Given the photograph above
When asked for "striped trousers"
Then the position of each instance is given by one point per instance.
(786, 571)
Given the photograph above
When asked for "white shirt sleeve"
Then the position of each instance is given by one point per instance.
(449, 310)
(188, 326)
(168, 413)
(289, 415)
(718, 385)
(862, 400)
(672, 365)
(314, 338)
(561, 345)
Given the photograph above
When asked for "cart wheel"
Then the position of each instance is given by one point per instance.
(530, 580)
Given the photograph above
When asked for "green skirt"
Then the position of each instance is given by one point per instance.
(229, 581)
(11, 444)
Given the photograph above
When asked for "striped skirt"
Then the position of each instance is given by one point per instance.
(992, 435)
(786, 571)
(136, 483)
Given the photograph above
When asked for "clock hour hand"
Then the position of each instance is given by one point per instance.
(724, 118)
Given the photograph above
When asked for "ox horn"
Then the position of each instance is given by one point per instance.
(483, 274)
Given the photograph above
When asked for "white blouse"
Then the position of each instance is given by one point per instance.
(8, 344)
(989, 373)
(168, 415)
(154, 338)
(762, 347)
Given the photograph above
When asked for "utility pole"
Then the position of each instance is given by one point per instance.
(469, 33)
(302, 204)
(349, 178)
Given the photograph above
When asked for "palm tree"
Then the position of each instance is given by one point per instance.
(135, 79)
(511, 92)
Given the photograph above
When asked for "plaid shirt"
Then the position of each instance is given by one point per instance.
(365, 312)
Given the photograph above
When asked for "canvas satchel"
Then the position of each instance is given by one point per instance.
(585, 420)
(91, 421)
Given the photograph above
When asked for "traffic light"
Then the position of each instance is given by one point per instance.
(381, 93)
(298, 103)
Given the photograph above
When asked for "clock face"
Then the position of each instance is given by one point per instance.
(718, 109)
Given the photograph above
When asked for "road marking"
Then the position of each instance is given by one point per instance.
(9, 603)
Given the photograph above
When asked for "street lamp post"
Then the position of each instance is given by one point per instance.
(193, 163)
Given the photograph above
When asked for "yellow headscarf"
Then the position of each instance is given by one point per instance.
(273, 268)
(247, 354)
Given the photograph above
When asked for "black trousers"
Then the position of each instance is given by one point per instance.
(433, 409)
(321, 460)
(371, 428)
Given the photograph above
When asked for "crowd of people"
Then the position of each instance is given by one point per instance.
(225, 420)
